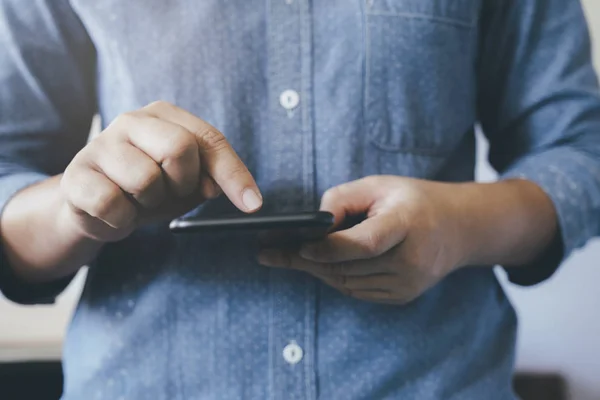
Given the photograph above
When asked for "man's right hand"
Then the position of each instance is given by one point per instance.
(152, 164)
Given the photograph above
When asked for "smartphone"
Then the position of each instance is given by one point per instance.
(276, 229)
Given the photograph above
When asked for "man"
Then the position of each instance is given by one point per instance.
(369, 106)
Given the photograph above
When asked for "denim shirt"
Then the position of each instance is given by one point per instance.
(311, 93)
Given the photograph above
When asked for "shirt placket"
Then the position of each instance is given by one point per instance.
(291, 144)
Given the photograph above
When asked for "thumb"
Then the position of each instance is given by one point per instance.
(352, 199)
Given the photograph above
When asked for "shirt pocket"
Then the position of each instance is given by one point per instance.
(420, 74)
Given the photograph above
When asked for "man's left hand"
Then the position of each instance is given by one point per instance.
(410, 239)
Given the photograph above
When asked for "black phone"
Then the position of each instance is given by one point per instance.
(275, 229)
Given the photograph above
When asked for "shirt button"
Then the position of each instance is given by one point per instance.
(289, 99)
(292, 353)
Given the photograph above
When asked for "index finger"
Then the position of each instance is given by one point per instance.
(218, 158)
(286, 259)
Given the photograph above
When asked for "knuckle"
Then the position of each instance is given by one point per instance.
(89, 154)
(125, 119)
(74, 186)
(146, 180)
(235, 172)
(373, 180)
(103, 203)
(108, 154)
(212, 139)
(371, 243)
(180, 146)
(159, 104)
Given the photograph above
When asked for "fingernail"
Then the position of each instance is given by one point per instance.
(251, 200)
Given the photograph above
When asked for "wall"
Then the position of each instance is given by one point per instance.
(559, 320)
(36, 332)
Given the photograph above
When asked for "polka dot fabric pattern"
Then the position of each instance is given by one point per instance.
(311, 94)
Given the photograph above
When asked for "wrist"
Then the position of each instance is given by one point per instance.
(472, 219)
(39, 242)
(505, 223)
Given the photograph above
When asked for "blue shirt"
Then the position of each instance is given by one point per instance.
(382, 87)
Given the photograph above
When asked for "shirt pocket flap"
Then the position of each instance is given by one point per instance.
(420, 74)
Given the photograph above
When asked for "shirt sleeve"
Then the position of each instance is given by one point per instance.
(47, 103)
(539, 106)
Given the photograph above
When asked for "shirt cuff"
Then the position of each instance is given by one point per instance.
(570, 179)
(11, 286)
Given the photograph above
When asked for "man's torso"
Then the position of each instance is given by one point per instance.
(311, 94)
